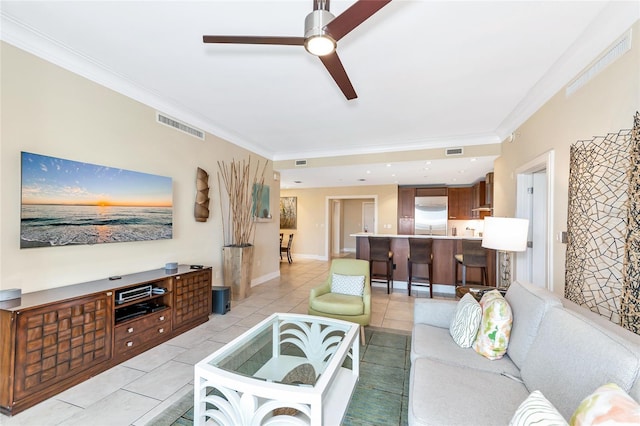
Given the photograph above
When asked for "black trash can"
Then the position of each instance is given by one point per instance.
(220, 300)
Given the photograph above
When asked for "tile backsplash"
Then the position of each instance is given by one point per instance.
(465, 228)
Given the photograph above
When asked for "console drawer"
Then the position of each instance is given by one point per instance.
(134, 341)
(157, 320)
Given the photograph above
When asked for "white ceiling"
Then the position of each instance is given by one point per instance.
(428, 74)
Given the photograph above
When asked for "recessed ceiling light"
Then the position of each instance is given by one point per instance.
(393, 175)
(472, 159)
(426, 168)
(462, 171)
(428, 162)
(388, 165)
(368, 172)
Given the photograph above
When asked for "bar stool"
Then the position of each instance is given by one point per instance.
(473, 256)
(420, 253)
(380, 251)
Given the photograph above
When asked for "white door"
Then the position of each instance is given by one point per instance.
(368, 217)
(534, 202)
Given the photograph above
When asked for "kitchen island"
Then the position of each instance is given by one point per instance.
(444, 264)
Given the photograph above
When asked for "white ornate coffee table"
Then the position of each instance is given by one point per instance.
(242, 383)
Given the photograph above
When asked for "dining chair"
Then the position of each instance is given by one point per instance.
(287, 249)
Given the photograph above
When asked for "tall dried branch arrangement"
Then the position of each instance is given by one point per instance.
(236, 184)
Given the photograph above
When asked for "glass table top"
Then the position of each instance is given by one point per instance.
(285, 348)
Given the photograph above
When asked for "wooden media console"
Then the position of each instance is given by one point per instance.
(53, 339)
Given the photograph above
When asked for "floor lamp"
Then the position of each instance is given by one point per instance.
(506, 235)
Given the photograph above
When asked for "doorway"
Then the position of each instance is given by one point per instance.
(534, 199)
(368, 217)
(348, 215)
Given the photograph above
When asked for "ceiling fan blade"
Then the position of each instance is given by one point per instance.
(290, 41)
(334, 66)
(354, 16)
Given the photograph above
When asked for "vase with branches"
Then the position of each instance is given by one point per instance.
(236, 182)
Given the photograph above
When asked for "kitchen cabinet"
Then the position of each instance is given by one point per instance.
(431, 191)
(488, 194)
(479, 195)
(406, 210)
(460, 203)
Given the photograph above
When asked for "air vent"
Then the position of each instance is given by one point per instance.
(618, 49)
(453, 151)
(300, 163)
(179, 125)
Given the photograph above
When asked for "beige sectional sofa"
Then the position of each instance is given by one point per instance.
(556, 347)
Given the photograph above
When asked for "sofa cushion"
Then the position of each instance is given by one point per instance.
(572, 356)
(436, 343)
(338, 304)
(466, 321)
(444, 394)
(608, 405)
(536, 410)
(528, 305)
(347, 284)
(436, 312)
(495, 327)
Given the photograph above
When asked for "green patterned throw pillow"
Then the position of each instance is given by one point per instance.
(536, 410)
(466, 320)
(495, 327)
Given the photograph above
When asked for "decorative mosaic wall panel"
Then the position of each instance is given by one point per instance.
(599, 211)
(630, 309)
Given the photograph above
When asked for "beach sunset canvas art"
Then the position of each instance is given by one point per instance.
(67, 202)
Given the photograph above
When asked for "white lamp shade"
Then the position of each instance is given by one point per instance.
(505, 233)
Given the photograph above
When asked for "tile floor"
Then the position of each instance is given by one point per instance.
(137, 390)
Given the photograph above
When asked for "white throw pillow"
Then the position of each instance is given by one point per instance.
(537, 410)
(352, 285)
(465, 322)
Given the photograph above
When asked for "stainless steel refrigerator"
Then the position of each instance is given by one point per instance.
(431, 216)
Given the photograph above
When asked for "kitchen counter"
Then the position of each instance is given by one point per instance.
(444, 264)
(435, 237)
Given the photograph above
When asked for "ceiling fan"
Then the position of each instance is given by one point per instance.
(322, 30)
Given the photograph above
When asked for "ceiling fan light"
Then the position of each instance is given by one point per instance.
(320, 45)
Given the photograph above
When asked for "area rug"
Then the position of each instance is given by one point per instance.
(380, 397)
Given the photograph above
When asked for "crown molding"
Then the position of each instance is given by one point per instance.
(397, 146)
(29, 39)
(614, 20)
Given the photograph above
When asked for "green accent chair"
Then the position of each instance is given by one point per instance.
(324, 303)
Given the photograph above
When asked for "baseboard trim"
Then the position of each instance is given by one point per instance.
(402, 285)
(264, 278)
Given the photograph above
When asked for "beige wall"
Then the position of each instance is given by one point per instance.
(604, 105)
(311, 234)
(50, 111)
(352, 222)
